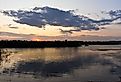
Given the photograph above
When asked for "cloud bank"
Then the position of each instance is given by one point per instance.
(41, 16)
(14, 36)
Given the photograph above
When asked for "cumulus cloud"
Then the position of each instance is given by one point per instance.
(115, 13)
(41, 16)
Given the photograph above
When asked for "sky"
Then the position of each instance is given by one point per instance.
(50, 26)
(86, 5)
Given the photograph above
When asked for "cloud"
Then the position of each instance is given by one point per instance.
(15, 36)
(41, 16)
(65, 31)
(69, 31)
(13, 27)
(115, 13)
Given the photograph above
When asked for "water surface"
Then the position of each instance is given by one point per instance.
(82, 64)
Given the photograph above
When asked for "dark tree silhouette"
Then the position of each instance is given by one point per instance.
(42, 44)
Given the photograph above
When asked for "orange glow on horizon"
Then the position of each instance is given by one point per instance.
(36, 39)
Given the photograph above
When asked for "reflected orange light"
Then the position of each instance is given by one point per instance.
(36, 39)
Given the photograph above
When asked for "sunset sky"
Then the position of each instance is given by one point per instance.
(60, 20)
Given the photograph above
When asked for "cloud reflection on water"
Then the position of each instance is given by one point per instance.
(57, 62)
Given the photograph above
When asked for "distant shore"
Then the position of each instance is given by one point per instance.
(44, 44)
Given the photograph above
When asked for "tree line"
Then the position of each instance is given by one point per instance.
(42, 44)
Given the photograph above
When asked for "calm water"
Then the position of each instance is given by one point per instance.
(83, 64)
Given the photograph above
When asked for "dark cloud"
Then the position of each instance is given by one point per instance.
(13, 27)
(65, 31)
(41, 16)
(115, 13)
(69, 31)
